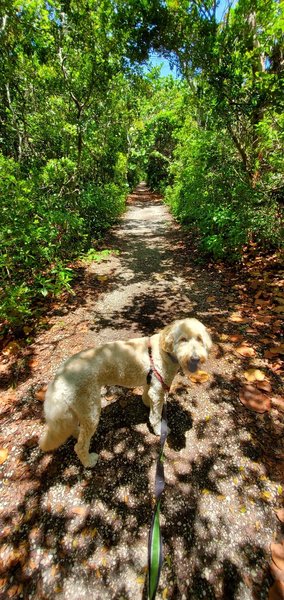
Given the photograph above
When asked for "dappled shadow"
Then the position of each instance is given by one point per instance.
(74, 533)
(70, 522)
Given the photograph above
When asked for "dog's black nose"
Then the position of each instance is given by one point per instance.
(193, 363)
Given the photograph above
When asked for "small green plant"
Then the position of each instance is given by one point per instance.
(96, 255)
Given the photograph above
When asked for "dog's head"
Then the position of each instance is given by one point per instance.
(188, 341)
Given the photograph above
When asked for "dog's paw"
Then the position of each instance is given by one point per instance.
(91, 460)
(157, 429)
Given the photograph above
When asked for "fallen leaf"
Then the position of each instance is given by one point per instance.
(278, 402)
(276, 592)
(279, 309)
(266, 495)
(237, 318)
(265, 386)
(224, 337)
(236, 337)
(40, 394)
(199, 377)
(211, 299)
(253, 399)
(245, 351)
(79, 510)
(278, 574)
(280, 514)
(11, 349)
(254, 375)
(277, 553)
(140, 580)
(3, 455)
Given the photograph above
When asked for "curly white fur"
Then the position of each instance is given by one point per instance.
(74, 396)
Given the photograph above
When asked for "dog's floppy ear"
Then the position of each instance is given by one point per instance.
(167, 338)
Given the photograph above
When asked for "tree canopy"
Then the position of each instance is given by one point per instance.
(81, 121)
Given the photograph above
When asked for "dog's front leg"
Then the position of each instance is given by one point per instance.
(156, 395)
(145, 396)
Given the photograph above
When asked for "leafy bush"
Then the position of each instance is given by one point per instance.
(211, 191)
(45, 222)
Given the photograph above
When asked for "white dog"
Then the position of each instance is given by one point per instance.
(74, 395)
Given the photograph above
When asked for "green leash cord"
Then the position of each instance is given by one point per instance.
(155, 546)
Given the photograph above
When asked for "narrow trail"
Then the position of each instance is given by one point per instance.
(73, 533)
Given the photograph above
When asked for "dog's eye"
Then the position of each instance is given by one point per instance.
(183, 339)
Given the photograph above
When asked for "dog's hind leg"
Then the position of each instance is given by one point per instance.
(88, 425)
(57, 432)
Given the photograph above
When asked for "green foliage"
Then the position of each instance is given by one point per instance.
(80, 122)
(212, 192)
(153, 135)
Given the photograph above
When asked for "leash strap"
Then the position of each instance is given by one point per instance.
(155, 546)
(154, 370)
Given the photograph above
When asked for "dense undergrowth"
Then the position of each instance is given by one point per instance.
(81, 123)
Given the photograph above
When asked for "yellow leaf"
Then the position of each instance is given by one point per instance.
(165, 593)
(266, 495)
(279, 489)
(75, 543)
(140, 580)
(3, 455)
(224, 337)
(199, 377)
(205, 491)
(243, 509)
(254, 375)
(102, 277)
(221, 497)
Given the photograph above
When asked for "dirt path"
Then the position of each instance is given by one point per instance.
(73, 533)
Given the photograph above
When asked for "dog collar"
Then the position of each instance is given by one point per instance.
(154, 370)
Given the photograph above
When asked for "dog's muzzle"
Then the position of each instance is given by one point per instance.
(193, 364)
